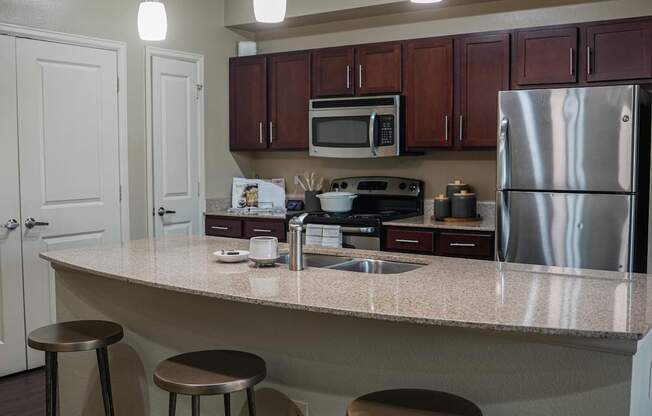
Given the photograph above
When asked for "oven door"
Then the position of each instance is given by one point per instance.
(354, 132)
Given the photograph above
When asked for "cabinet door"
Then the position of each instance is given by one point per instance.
(248, 103)
(429, 93)
(332, 72)
(619, 51)
(378, 69)
(484, 71)
(546, 56)
(289, 96)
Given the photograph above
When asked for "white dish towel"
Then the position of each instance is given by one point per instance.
(324, 235)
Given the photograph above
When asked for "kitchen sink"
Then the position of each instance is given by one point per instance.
(321, 261)
(376, 266)
(349, 264)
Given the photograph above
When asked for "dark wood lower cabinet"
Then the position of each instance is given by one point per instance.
(440, 242)
(237, 227)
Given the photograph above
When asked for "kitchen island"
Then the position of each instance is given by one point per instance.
(515, 339)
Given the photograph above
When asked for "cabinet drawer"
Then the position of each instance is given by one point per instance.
(408, 240)
(264, 228)
(465, 245)
(219, 227)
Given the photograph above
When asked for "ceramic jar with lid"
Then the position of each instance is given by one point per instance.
(442, 207)
(456, 187)
(464, 204)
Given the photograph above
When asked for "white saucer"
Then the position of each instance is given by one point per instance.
(223, 257)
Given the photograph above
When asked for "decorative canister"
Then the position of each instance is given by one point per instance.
(442, 207)
(311, 202)
(464, 204)
(456, 187)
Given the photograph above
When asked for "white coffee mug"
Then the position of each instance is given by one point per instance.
(263, 248)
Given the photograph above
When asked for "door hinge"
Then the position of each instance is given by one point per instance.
(118, 85)
(120, 193)
(200, 88)
(198, 188)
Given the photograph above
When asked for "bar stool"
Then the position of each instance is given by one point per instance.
(207, 373)
(411, 402)
(75, 336)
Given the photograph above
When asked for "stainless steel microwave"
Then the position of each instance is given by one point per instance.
(361, 127)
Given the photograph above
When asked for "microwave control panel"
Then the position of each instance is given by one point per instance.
(386, 131)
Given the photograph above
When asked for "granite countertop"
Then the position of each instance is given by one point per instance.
(487, 224)
(271, 216)
(444, 292)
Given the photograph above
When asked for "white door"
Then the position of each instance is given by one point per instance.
(12, 312)
(176, 146)
(69, 160)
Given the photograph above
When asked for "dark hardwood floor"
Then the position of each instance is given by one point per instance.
(23, 394)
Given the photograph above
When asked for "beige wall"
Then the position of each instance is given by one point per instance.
(194, 26)
(436, 168)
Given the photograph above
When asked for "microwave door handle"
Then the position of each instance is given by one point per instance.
(372, 133)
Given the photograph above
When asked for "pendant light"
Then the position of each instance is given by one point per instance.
(270, 11)
(152, 20)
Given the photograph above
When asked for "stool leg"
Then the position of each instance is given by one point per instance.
(251, 401)
(51, 384)
(195, 405)
(227, 404)
(173, 404)
(105, 380)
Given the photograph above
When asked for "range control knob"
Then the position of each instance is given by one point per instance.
(402, 186)
(413, 187)
(336, 185)
(344, 185)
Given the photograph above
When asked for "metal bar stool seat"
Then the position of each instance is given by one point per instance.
(412, 402)
(208, 373)
(76, 336)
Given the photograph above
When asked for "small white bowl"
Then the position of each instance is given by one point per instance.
(231, 256)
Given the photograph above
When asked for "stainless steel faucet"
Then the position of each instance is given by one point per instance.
(295, 241)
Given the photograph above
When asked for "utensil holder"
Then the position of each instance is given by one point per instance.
(311, 202)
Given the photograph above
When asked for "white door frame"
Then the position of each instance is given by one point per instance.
(150, 52)
(120, 48)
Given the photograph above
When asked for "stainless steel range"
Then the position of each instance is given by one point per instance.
(379, 199)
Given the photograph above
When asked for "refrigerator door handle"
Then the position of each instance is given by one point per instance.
(504, 163)
(502, 225)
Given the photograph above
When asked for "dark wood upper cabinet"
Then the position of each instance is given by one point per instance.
(429, 93)
(483, 68)
(546, 56)
(378, 69)
(248, 103)
(619, 51)
(289, 95)
(333, 72)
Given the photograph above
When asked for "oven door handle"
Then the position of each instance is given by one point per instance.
(355, 230)
(372, 133)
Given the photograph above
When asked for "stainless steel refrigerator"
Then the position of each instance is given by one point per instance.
(574, 177)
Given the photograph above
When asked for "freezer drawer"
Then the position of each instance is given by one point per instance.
(589, 231)
(577, 139)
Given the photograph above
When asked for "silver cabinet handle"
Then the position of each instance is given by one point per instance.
(260, 230)
(12, 224)
(572, 61)
(446, 121)
(348, 77)
(462, 245)
(407, 241)
(31, 223)
(271, 132)
(215, 227)
(461, 128)
(260, 131)
(588, 60)
(360, 76)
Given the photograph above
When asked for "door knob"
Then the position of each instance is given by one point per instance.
(12, 224)
(31, 223)
(162, 211)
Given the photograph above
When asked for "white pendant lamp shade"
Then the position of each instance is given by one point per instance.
(270, 11)
(152, 21)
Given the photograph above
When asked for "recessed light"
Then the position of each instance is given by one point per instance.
(426, 1)
(270, 11)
